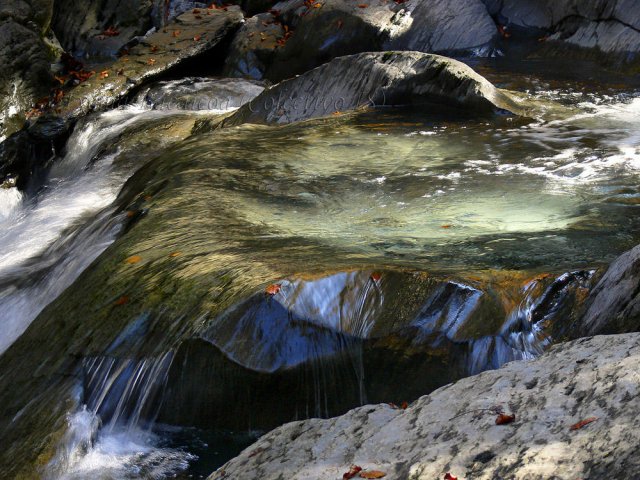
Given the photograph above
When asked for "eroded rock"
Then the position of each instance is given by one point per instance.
(377, 79)
(454, 428)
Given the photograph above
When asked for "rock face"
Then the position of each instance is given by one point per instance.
(324, 30)
(614, 304)
(611, 26)
(376, 79)
(189, 36)
(454, 428)
(25, 58)
(442, 26)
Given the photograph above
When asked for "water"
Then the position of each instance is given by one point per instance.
(409, 249)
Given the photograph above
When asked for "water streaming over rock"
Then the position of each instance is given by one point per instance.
(409, 251)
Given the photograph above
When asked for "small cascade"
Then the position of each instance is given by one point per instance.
(528, 330)
(111, 434)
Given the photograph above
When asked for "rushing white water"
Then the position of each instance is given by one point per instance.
(46, 241)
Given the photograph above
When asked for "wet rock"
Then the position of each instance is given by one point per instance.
(25, 58)
(614, 304)
(198, 37)
(609, 26)
(377, 79)
(454, 430)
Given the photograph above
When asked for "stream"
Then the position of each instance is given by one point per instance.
(408, 250)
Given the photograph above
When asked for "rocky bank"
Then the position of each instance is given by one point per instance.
(575, 417)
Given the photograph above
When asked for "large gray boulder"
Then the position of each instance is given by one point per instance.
(576, 416)
(614, 304)
(610, 26)
(376, 79)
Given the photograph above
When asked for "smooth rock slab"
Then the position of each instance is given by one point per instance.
(376, 79)
(453, 429)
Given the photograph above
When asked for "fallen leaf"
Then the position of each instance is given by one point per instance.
(353, 471)
(104, 74)
(153, 48)
(122, 300)
(111, 32)
(504, 419)
(175, 33)
(273, 289)
(583, 423)
(196, 38)
(448, 476)
(151, 61)
(175, 254)
(133, 259)
(376, 276)
(372, 474)
(339, 24)
(447, 226)
(363, 5)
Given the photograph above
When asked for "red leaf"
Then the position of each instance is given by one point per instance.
(273, 289)
(504, 419)
(375, 276)
(448, 476)
(404, 405)
(123, 300)
(583, 423)
(353, 471)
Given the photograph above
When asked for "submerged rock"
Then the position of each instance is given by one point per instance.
(377, 79)
(614, 304)
(453, 430)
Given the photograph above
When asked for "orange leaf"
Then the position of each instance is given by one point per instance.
(151, 61)
(104, 74)
(363, 5)
(372, 474)
(447, 226)
(583, 423)
(353, 471)
(175, 33)
(174, 254)
(504, 419)
(273, 289)
(196, 38)
(133, 259)
(404, 405)
(122, 300)
(375, 276)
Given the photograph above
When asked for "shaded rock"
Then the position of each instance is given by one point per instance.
(614, 304)
(376, 79)
(325, 30)
(25, 58)
(80, 25)
(454, 430)
(608, 26)
(254, 47)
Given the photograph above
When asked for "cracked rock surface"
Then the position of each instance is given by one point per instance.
(453, 429)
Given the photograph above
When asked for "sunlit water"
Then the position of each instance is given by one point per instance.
(390, 188)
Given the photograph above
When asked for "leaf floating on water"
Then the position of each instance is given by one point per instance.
(376, 276)
(353, 471)
(123, 300)
(133, 259)
(447, 226)
(273, 289)
(448, 476)
(362, 5)
(504, 419)
(372, 474)
(175, 254)
(583, 423)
